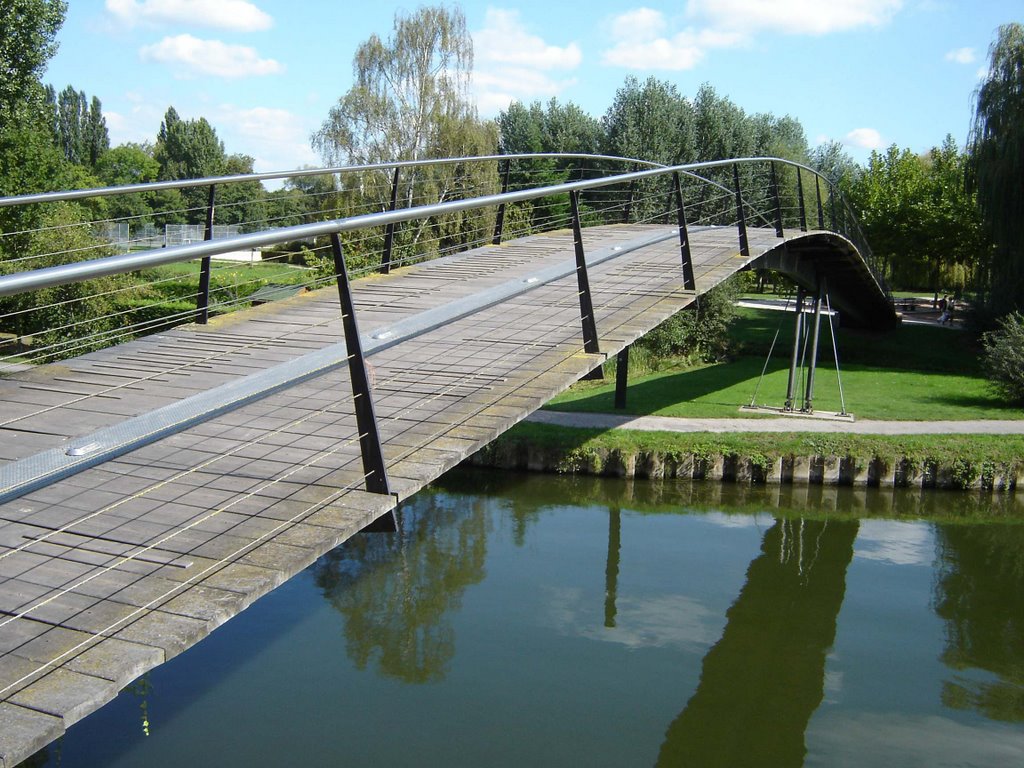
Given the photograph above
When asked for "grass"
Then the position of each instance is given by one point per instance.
(912, 373)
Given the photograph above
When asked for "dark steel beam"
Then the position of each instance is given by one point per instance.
(800, 196)
(809, 394)
(590, 343)
(374, 469)
(741, 216)
(389, 231)
(777, 201)
(684, 238)
(499, 222)
(621, 378)
(794, 359)
(203, 297)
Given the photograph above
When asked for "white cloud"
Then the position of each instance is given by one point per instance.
(644, 38)
(795, 17)
(209, 57)
(504, 40)
(278, 140)
(895, 542)
(962, 56)
(511, 64)
(224, 14)
(863, 138)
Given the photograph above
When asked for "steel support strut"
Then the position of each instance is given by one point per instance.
(777, 201)
(821, 209)
(203, 298)
(684, 238)
(809, 395)
(499, 222)
(621, 378)
(797, 336)
(590, 343)
(389, 231)
(629, 198)
(800, 196)
(741, 223)
(366, 420)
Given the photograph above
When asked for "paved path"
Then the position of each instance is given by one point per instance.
(780, 424)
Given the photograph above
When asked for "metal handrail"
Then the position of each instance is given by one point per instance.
(112, 265)
(158, 186)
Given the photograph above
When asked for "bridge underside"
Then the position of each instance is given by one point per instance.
(109, 570)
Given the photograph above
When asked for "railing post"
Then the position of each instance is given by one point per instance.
(778, 202)
(621, 378)
(821, 209)
(366, 420)
(203, 298)
(629, 198)
(499, 223)
(590, 343)
(800, 195)
(832, 206)
(684, 237)
(740, 215)
(797, 337)
(389, 232)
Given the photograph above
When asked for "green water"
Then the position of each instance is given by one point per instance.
(531, 620)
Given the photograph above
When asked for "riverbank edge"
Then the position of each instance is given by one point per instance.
(968, 462)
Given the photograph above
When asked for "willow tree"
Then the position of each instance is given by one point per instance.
(410, 101)
(997, 161)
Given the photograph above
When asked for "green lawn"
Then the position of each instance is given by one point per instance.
(913, 373)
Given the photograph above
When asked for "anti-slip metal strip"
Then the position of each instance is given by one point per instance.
(41, 469)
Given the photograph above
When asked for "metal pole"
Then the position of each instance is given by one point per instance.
(821, 210)
(797, 335)
(809, 398)
(499, 224)
(684, 239)
(778, 202)
(629, 199)
(740, 215)
(800, 195)
(832, 205)
(389, 231)
(621, 378)
(366, 420)
(203, 298)
(611, 568)
(590, 344)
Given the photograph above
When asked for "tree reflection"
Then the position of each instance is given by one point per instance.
(764, 678)
(980, 594)
(397, 590)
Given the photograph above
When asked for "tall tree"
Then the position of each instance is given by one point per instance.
(410, 102)
(189, 149)
(28, 31)
(997, 163)
(79, 128)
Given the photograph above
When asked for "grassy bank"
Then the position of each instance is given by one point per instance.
(912, 373)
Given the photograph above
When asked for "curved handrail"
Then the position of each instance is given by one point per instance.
(157, 186)
(111, 265)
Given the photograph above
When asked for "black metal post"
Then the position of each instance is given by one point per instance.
(499, 223)
(800, 195)
(778, 202)
(684, 238)
(821, 209)
(389, 231)
(832, 206)
(629, 200)
(740, 215)
(366, 420)
(590, 343)
(203, 298)
(797, 336)
(809, 395)
(621, 378)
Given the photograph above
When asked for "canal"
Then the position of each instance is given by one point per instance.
(537, 620)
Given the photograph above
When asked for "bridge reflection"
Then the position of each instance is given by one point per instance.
(764, 678)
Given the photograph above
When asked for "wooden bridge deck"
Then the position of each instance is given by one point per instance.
(112, 570)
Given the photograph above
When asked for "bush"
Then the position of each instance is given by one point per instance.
(1004, 357)
(700, 332)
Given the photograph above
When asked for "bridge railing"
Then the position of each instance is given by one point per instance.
(67, 287)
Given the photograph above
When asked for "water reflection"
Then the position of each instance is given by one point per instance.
(980, 594)
(398, 590)
(611, 569)
(764, 678)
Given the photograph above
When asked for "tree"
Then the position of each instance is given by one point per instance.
(189, 149)
(410, 102)
(997, 165)
(28, 29)
(79, 128)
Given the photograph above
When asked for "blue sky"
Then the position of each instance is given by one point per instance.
(868, 73)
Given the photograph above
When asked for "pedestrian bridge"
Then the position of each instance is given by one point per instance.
(153, 488)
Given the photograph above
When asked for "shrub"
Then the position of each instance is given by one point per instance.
(1004, 357)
